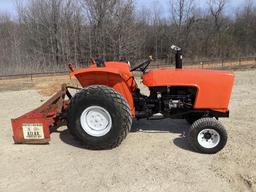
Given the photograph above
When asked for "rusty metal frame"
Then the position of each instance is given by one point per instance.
(49, 114)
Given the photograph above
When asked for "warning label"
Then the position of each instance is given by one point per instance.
(33, 131)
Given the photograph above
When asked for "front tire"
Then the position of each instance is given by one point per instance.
(207, 135)
(193, 117)
(99, 117)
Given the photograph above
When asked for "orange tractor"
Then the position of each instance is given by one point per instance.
(100, 113)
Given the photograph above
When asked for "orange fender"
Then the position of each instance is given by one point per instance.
(111, 77)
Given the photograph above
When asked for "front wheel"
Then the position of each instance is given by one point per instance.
(207, 135)
(99, 117)
(192, 118)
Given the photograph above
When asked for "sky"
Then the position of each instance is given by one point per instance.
(8, 6)
(165, 4)
(234, 3)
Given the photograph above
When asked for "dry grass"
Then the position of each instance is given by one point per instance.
(45, 86)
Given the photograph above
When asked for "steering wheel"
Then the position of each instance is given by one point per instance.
(143, 66)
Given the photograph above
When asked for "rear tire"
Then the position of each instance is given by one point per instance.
(99, 117)
(207, 135)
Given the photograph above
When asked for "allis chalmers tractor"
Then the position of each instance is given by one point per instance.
(100, 113)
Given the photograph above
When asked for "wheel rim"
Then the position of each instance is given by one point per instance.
(208, 138)
(96, 121)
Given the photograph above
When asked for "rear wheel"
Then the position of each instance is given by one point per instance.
(99, 117)
(207, 135)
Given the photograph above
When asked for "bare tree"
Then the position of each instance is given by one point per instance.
(48, 34)
(112, 32)
(216, 8)
(182, 18)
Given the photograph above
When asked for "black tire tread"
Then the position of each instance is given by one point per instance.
(116, 99)
(207, 122)
(193, 117)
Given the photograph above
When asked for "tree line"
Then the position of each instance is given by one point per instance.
(48, 34)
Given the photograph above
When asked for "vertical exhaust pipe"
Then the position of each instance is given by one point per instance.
(178, 56)
(178, 59)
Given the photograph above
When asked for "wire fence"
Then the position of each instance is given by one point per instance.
(228, 63)
(33, 75)
(210, 64)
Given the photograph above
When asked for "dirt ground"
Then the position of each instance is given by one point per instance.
(155, 158)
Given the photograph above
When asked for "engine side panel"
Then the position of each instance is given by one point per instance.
(213, 87)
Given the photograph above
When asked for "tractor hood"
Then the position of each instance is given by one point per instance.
(169, 77)
(213, 87)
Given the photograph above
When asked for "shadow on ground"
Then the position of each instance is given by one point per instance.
(158, 126)
(176, 126)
